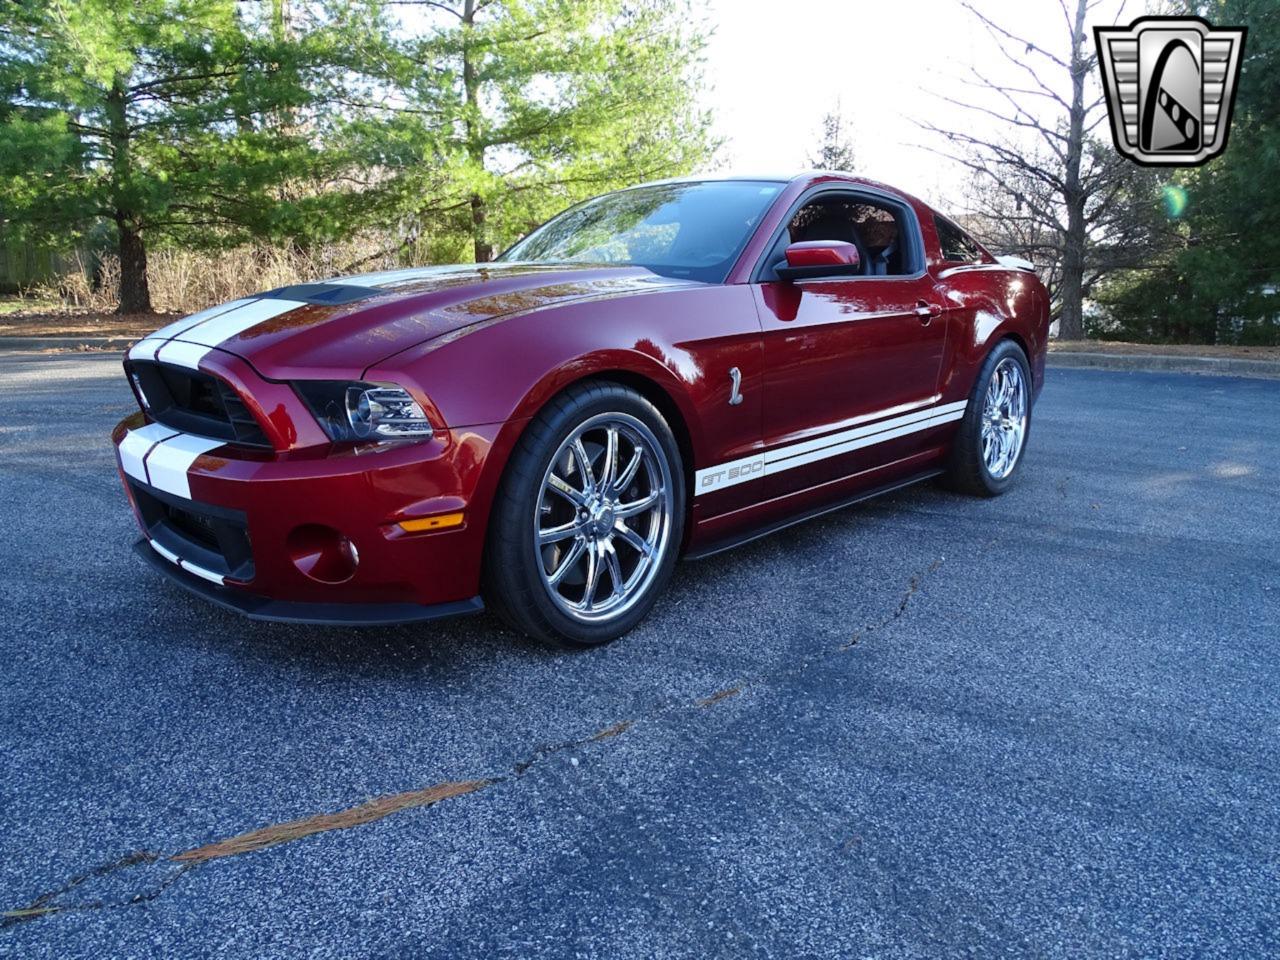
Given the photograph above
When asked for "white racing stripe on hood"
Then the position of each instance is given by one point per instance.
(185, 342)
(389, 278)
(145, 349)
(237, 321)
(181, 354)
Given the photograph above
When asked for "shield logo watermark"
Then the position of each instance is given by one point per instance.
(1170, 84)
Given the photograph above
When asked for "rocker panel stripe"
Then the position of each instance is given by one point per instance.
(805, 452)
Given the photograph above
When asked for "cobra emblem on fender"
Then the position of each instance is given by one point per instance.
(735, 395)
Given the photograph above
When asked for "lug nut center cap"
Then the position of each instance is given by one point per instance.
(600, 519)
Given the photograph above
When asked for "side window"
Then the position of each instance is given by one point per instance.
(957, 246)
(884, 244)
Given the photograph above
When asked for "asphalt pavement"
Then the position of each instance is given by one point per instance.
(929, 726)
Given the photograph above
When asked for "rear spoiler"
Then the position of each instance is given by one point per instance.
(1016, 263)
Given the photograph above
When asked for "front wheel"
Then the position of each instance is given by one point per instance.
(586, 527)
(993, 434)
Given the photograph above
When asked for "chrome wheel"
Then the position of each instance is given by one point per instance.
(604, 517)
(1004, 418)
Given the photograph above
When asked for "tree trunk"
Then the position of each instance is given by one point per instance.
(135, 296)
(1071, 321)
(483, 250)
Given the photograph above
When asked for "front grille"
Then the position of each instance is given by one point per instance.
(214, 538)
(194, 526)
(195, 402)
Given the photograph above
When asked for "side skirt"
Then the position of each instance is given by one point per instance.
(757, 534)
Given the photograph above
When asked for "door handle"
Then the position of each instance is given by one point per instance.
(925, 312)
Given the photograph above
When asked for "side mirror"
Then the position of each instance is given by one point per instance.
(814, 259)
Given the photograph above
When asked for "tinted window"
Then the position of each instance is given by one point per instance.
(693, 230)
(957, 246)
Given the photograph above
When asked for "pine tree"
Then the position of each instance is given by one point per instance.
(514, 109)
(835, 151)
(173, 120)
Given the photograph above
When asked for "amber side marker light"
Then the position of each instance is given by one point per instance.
(442, 522)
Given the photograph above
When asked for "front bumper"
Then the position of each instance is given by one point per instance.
(257, 607)
(234, 525)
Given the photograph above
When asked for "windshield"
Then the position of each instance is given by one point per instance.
(688, 230)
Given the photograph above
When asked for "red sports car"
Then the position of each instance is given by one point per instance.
(670, 369)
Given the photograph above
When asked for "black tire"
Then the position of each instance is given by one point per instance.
(967, 470)
(514, 586)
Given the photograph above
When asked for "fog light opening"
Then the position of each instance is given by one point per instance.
(322, 553)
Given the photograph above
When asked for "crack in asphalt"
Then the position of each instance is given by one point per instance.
(357, 816)
(383, 806)
(917, 581)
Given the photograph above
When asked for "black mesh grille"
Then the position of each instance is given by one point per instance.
(195, 402)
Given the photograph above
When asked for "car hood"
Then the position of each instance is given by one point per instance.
(339, 328)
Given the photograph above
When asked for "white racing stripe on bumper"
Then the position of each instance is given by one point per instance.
(137, 444)
(187, 565)
(833, 445)
(160, 456)
(169, 461)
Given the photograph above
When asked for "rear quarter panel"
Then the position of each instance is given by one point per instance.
(987, 303)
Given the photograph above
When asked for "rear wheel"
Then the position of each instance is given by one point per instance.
(586, 527)
(993, 434)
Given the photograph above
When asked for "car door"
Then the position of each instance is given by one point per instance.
(851, 363)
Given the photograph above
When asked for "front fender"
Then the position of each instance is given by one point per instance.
(684, 342)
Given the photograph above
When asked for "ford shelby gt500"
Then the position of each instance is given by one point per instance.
(669, 369)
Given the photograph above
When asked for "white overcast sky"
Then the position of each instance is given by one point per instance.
(774, 68)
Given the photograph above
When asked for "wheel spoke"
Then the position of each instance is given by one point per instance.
(646, 502)
(571, 558)
(556, 534)
(584, 466)
(615, 569)
(633, 539)
(610, 466)
(593, 576)
(629, 472)
(576, 497)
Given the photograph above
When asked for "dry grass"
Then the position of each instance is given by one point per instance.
(1164, 349)
(184, 281)
(181, 282)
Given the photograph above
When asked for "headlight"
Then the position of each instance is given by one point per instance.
(364, 411)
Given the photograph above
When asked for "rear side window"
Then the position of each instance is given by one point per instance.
(957, 246)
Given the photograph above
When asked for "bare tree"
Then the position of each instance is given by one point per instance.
(1049, 181)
